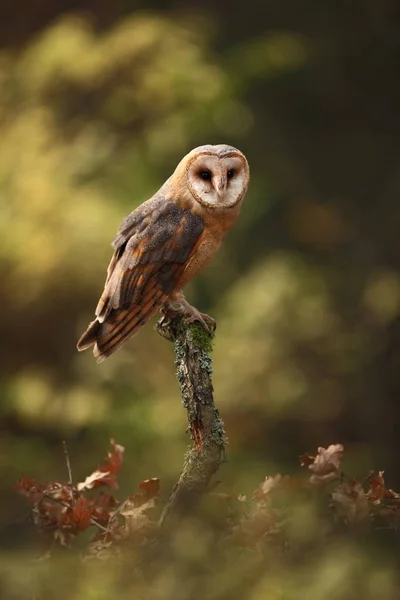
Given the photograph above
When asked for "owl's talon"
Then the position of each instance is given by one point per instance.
(206, 321)
(190, 314)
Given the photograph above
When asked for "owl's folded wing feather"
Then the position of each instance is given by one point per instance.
(152, 247)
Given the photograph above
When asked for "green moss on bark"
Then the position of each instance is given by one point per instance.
(201, 338)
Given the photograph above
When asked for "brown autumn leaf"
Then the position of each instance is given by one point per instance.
(351, 503)
(63, 512)
(326, 465)
(151, 487)
(306, 460)
(105, 474)
(104, 507)
(134, 509)
(148, 499)
(60, 492)
(389, 493)
(278, 487)
(50, 504)
(261, 494)
(35, 492)
(25, 486)
(134, 521)
(115, 458)
(78, 516)
(260, 525)
(46, 515)
(133, 506)
(376, 491)
(261, 522)
(96, 479)
(137, 522)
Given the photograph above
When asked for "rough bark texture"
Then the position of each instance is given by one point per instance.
(193, 369)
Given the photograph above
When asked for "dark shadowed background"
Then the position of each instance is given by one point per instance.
(99, 100)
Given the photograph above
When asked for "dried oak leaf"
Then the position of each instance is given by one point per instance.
(258, 526)
(326, 465)
(135, 507)
(60, 492)
(35, 492)
(306, 460)
(46, 515)
(104, 507)
(351, 503)
(262, 494)
(96, 479)
(78, 517)
(377, 490)
(278, 487)
(150, 487)
(50, 504)
(25, 485)
(389, 493)
(30, 489)
(105, 474)
(260, 523)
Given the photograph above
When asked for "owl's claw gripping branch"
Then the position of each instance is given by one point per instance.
(206, 321)
(180, 307)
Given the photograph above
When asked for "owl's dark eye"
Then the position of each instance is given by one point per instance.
(230, 173)
(206, 175)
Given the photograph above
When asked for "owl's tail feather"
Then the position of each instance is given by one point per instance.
(117, 328)
(90, 336)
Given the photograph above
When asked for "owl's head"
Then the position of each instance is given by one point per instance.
(217, 176)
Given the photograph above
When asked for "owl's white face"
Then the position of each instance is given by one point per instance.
(218, 176)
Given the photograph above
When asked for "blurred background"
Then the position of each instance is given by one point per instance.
(99, 100)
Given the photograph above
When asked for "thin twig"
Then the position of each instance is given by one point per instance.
(70, 484)
(204, 456)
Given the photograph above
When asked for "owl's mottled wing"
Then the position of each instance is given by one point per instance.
(152, 247)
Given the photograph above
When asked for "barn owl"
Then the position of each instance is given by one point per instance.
(164, 242)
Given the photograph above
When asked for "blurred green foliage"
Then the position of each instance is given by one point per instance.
(94, 115)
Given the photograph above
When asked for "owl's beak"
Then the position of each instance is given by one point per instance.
(221, 186)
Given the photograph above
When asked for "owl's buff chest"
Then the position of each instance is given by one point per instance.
(209, 244)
